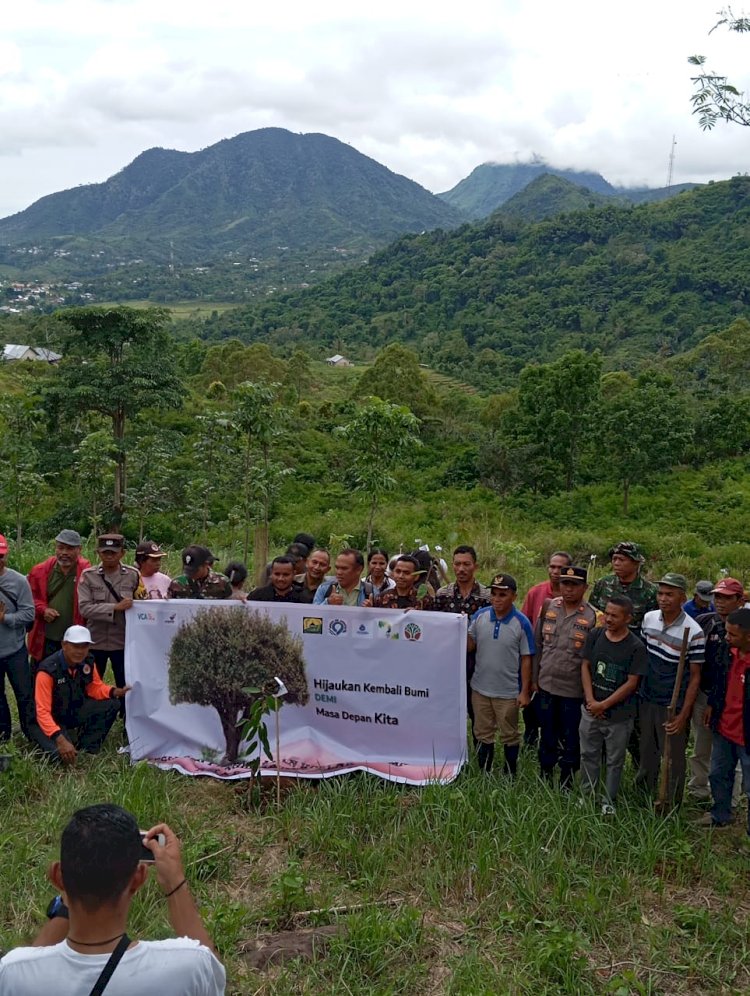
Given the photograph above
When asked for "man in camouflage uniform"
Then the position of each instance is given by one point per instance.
(626, 579)
(197, 579)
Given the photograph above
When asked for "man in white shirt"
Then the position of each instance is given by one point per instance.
(102, 865)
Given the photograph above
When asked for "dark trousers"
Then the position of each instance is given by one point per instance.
(724, 757)
(652, 719)
(117, 657)
(16, 667)
(559, 742)
(531, 722)
(50, 647)
(86, 728)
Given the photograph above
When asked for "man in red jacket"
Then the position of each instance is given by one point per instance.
(54, 587)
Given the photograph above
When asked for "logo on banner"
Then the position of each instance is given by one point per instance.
(312, 625)
(146, 617)
(363, 629)
(170, 620)
(412, 632)
(337, 627)
(385, 631)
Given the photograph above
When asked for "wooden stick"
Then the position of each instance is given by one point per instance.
(666, 761)
(278, 756)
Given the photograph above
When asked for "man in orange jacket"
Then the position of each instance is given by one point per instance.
(74, 708)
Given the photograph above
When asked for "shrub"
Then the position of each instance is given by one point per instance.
(228, 659)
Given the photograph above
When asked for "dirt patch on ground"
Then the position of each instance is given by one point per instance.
(276, 949)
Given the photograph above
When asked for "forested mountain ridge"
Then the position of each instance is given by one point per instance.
(490, 185)
(482, 301)
(253, 192)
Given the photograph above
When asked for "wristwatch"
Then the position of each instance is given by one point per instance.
(57, 908)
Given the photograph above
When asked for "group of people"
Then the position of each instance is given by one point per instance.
(594, 673)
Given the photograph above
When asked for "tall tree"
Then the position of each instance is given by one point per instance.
(380, 436)
(117, 362)
(20, 480)
(642, 430)
(715, 98)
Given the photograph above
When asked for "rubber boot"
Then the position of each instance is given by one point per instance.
(511, 760)
(485, 757)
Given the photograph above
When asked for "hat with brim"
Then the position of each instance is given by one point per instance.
(704, 590)
(77, 634)
(503, 582)
(3, 545)
(69, 537)
(729, 586)
(110, 541)
(673, 580)
(573, 575)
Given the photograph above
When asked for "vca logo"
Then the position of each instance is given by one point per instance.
(146, 617)
(337, 627)
(412, 632)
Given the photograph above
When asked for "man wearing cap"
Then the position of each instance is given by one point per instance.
(16, 613)
(501, 683)
(728, 596)
(148, 558)
(626, 579)
(54, 587)
(105, 594)
(560, 634)
(700, 603)
(74, 708)
(197, 579)
(663, 632)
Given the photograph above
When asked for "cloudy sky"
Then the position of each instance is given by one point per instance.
(86, 85)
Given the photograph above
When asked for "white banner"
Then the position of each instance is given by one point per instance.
(387, 694)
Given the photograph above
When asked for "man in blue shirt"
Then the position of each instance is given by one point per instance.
(501, 684)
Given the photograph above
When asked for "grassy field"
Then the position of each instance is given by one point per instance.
(476, 887)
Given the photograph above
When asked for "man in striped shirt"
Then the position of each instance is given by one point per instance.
(662, 631)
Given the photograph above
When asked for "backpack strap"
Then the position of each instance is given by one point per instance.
(114, 960)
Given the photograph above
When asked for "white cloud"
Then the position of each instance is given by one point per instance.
(85, 85)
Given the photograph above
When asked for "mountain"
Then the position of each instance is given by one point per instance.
(547, 196)
(482, 301)
(490, 185)
(251, 193)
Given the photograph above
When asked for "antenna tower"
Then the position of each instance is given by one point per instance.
(670, 169)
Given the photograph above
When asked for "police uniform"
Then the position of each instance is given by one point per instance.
(98, 593)
(560, 636)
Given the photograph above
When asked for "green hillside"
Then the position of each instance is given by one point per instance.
(255, 192)
(480, 302)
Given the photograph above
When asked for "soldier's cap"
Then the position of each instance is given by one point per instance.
(149, 549)
(69, 537)
(504, 582)
(673, 580)
(194, 557)
(728, 586)
(77, 634)
(110, 541)
(704, 590)
(628, 549)
(573, 575)
(3, 545)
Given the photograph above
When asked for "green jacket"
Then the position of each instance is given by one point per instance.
(642, 594)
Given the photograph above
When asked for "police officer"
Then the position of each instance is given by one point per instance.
(105, 593)
(197, 579)
(74, 708)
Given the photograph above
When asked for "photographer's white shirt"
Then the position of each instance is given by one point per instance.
(176, 967)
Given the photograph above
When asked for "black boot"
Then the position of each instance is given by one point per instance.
(511, 760)
(485, 757)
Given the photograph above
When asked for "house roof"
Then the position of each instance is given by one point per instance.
(16, 352)
(335, 359)
(11, 352)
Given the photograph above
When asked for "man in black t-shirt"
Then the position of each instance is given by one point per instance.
(613, 662)
(282, 588)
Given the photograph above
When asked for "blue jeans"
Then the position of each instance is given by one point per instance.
(724, 757)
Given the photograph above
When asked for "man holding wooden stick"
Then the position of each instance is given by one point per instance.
(668, 691)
